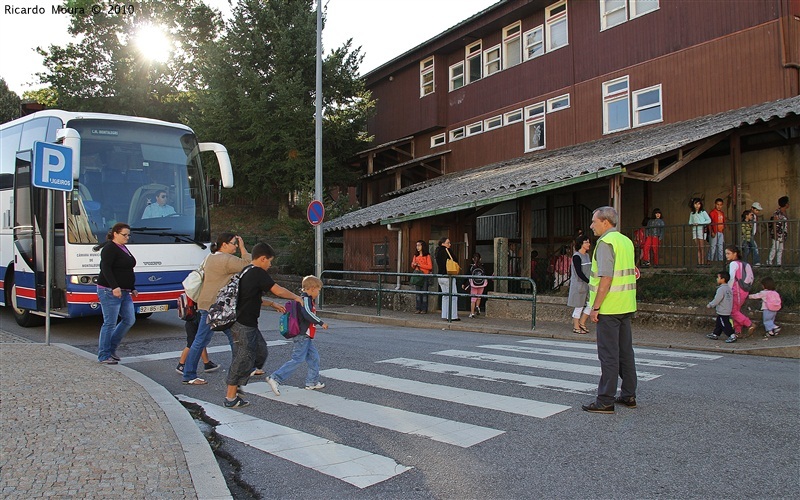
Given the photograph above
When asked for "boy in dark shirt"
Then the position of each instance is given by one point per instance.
(251, 348)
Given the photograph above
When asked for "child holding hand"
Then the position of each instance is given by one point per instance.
(770, 305)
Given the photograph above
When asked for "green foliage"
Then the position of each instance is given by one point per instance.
(259, 100)
(47, 96)
(106, 71)
(9, 103)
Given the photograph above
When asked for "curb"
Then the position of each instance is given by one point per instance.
(792, 352)
(207, 478)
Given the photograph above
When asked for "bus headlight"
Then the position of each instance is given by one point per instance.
(82, 280)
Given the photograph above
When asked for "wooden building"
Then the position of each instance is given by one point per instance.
(521, 119)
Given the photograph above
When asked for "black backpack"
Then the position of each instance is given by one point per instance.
(222, 313)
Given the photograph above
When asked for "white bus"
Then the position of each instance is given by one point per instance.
(120, 163)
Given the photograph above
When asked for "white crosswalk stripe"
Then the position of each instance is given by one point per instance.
(583, 355)
(177, 354)
(435, 428)
(536, 363)
(637, 350)
(357, 467)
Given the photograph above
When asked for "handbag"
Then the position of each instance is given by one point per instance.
(452, 266)
(418, 279)
(193, 283)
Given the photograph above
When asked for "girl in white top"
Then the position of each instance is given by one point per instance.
(698, 220)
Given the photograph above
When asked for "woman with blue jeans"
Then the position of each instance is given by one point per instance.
(115, 289)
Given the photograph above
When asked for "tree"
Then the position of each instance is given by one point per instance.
(108, 68)
(9, 103)
(260, 94)
(47, 96)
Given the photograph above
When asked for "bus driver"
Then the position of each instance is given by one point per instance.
(160, 208)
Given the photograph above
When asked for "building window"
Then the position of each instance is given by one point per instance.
(426, 77)
(492, 58)
(438, 140)
(558, 103)
(493, 123)
(474, 65)
(457, 76)
(647, 106)
(456, 134)
(534, 127)
(616, 98)
(513, 116)
(534, 42)
(512, 45)
(475, 128)
(380, 255)
(616, 12)
(556, 23)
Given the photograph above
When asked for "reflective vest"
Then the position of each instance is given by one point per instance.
(621, 297)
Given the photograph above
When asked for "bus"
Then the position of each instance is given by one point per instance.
(120, 164)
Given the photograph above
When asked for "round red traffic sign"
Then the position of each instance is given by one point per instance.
(315, 213)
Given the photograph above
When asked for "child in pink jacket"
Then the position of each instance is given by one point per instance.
(770, 305)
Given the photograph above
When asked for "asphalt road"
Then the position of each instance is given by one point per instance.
(722, 426)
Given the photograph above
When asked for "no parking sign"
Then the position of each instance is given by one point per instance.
(316, 212)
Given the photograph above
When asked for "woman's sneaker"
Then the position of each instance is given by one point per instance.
(273, 384)
(236, 403)
(179, 368)
(209, 367)
(318, 385)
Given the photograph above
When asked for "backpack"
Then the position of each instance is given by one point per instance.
(477, 280)
(289, 325)
(746, 278)
(222, 313)
(187, 308)
(639, 237)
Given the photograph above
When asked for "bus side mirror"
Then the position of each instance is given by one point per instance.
(225, 169)
(72, 139)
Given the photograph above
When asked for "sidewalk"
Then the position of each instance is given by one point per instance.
(73, 428)
(786, 345)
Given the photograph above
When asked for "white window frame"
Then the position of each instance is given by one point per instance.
(454, 78)
(457, 134)
(472, 52)
(636, 12)
(438, 140)
(513, 116)
(616, 96)
(638, 109)
(475, 128)
(426, 72)
(492, 123)
(552, 20)
(526, 44)
(512, 44)
(555, 104)
(606, 13)
(535, 115)
(496, 60)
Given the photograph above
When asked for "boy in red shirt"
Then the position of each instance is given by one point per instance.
(715, 232)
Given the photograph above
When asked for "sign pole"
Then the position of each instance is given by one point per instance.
(48, 271)
(318, 145)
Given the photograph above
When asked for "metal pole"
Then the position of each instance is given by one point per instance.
(48, 265)
(318, 145)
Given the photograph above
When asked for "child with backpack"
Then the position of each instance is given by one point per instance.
(476, 285)
(304, 349)
(722, 302)
(251, 348)
(770, 305)
(741, 281)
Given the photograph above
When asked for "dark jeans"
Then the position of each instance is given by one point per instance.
(615, 352)
(250, 352)
(422, 298)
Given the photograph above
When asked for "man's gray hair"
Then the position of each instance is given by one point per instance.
(607, 213)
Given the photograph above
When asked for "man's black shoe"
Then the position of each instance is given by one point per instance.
(596, 408)
(629, 402)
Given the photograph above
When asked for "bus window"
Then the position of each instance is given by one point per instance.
(34, 130)
(9, 145)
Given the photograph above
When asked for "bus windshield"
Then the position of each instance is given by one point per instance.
(146, 175)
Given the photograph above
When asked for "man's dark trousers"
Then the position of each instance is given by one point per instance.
(615, 351)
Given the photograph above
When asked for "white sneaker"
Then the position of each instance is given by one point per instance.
(273, 384)
(318, 385)
(471, 315)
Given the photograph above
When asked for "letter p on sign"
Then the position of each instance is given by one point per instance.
(52, 166)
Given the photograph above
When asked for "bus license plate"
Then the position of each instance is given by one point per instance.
(152, 309)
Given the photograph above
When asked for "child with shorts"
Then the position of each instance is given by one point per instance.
(251, 348)
(304, 349)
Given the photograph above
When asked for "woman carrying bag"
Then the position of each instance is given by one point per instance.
(442, 255)
(422, 264)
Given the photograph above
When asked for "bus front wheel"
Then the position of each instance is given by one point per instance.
(23, 317)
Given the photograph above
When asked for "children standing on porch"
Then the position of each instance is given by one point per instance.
(716, 233)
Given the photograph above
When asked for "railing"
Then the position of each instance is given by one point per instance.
(381, 281)
(678, 249)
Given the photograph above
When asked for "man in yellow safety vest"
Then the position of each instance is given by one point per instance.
(612, 294)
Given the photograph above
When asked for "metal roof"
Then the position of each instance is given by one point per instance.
(543, 171)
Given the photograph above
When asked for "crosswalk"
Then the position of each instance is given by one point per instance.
(528, 364)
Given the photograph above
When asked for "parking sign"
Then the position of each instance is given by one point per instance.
(52, 166)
